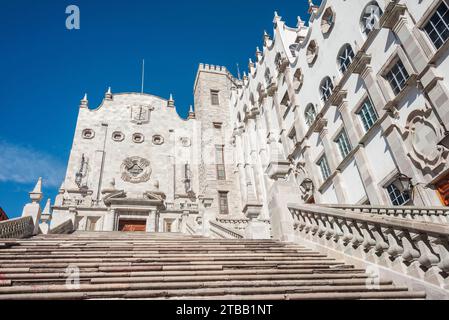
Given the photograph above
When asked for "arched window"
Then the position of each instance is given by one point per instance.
(345, 57)
(328, 20)
(370, 17)
(312, 52)
(310, 114)
(326, 89)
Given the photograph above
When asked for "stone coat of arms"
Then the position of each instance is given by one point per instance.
(136, 170)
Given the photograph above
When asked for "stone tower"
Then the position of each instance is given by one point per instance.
(217, 175)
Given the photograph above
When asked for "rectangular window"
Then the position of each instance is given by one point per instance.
(397, 197)
(437, 28)
(324, 166)
(220, 161)
(368, 114)
(224, 204)
(343, 144)
(397, 77)
(215, 97)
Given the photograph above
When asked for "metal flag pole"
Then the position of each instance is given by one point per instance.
(143, 75)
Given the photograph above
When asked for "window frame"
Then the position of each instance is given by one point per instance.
(342, 66)
(309, 121)
(223, 208)
(325, 169)
(397, 198)
(326, 89)
(220, 162)
(362, 117)
(397, 85)
(363, 28)
(429, 20)
(215, 94)
(343, 143)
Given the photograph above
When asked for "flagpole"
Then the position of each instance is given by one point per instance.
(143, 75)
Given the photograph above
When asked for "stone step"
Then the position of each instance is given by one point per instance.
(84, 292)
(206, 274)
(136, 258)
(173, 266)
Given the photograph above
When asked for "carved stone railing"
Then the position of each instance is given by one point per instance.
(17, 228)
(426, 214)
(239, 224)
(224, 232)
(415, 249)
(65, 228)
(191, 229)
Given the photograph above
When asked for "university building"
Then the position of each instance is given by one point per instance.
(336, 138)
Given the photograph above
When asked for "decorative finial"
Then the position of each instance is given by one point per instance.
(277, 18)
(191, 113)
(84, 102)
(108, 95)
(47, 209)
(36, 194)
(171, 102)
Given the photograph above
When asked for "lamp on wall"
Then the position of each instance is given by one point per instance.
(405, 182)
(307, 185)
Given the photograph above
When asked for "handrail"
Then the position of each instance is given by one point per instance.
(430, 214)
(232, 233)
(412, 243)
(190, 229)
(18, 228)
(65, 228)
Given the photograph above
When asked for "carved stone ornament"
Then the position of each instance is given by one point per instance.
(140, 114)
(136, 170)
(422, 134)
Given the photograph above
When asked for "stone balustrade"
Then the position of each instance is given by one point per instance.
(223, 231)
(17, 228)
(235, 223)
(415, 249)
(426, 214)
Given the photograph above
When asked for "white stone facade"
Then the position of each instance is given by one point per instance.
(350, 108)
(289, 75)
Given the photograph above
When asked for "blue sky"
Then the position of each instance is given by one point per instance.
(46, 69)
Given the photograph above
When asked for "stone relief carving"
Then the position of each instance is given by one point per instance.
(140, 114)
(136, 170)
(81, 175)
(186, 142)
(422, 134)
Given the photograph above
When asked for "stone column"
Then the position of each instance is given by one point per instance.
(410, 44)
(109, 220)
(374, 91)
(151, 222)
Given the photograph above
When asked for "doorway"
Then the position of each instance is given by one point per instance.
(132, 225)
(443, 190)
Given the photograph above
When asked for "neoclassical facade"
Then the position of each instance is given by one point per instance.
(349, 108)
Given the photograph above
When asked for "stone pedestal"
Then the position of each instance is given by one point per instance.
(207, 214)
(256, 229)
(281, 194)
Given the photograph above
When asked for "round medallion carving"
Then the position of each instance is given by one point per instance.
(136, 170)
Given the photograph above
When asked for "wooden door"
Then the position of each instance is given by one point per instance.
(443, 190)
(132, 225)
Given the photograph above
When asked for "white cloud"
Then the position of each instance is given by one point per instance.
(25, 165)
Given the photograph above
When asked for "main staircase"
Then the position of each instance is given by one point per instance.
(174, 266)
